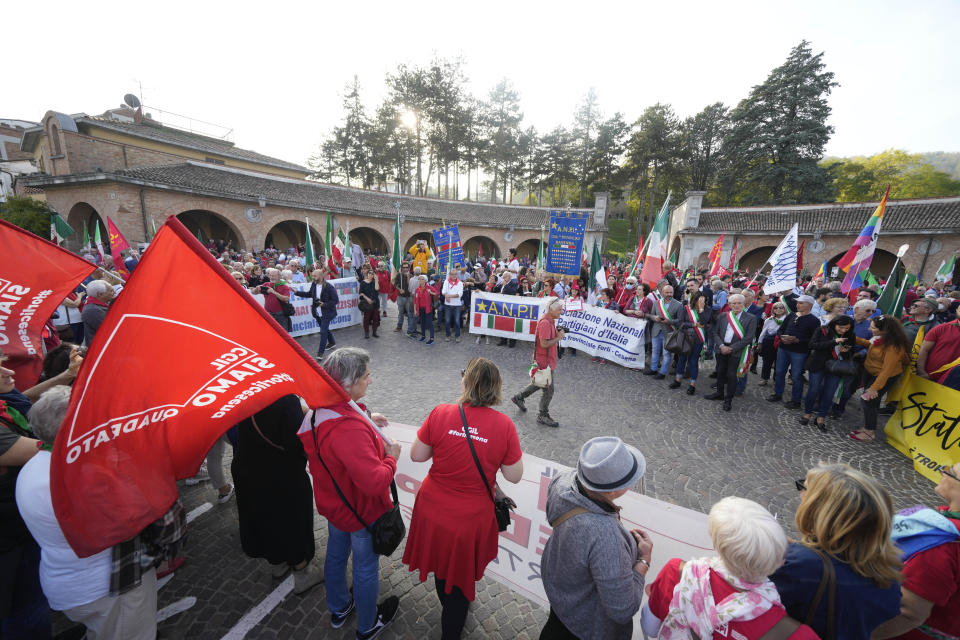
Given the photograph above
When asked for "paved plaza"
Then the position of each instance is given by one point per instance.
(696, 454)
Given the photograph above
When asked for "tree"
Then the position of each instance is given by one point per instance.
(779, 132)
(908, 176)
(27, 213)
(502, 123)
(654, 150)
(586, 121)
(702, 138)
(603, 167)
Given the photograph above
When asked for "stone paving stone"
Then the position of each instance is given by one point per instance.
(696, 454)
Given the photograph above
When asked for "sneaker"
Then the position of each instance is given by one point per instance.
(659, 376)
(674, 385)
(447, 339)
(517, 400)
(386, 612)
(430, 342)
(774, 398)
(546, 420)
(397, 330)
(337, 619)
(224, 498)
(307, 578)
(423, 339)
(412, 336)
(202, 476)
(763, 383)
(456, 340)
(278, 571)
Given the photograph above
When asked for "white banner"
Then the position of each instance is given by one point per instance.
(593, 330)
(348, 313)
(677, 532)
(783, 262)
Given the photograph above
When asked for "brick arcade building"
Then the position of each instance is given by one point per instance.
(138, 172)
(931, 226)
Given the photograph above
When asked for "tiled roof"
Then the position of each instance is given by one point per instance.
(226, 182)
(930, 215)
(155, 131)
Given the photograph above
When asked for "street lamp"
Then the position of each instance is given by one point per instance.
(262, 200)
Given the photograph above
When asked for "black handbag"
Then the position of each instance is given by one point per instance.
(679, 342)
(501, 506)
(841, 368)
(287, 308)
(364, 306)
(388, 530)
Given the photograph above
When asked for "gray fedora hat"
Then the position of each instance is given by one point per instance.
(608, 464)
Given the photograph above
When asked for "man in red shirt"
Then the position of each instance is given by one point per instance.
(545, 355)
(275, 292)
(940, 354)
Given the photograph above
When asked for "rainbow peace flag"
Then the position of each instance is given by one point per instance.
(856, 261)
(822, 271)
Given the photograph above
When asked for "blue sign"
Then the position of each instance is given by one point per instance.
(565, 242)
(447, 241)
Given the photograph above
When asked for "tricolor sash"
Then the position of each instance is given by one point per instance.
(744, 364)
(663, 308)
(695, 319)
(735, 325)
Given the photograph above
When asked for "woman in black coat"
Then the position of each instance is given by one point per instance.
(835, 341)
(274, 492)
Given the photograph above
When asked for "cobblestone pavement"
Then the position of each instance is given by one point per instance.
(696, 454)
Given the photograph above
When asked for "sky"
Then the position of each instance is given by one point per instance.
(274, 73)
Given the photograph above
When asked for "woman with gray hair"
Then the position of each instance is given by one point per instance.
(80, 587)
(352, 469)
(727, 595)
(593, 569)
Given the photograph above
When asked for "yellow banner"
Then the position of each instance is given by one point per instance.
(926, 426)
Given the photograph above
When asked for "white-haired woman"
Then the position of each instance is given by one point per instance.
(728, 595)
(80, 587)
(343, 448)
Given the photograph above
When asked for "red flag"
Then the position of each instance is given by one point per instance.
(733, 258)
(800, 256)
(164, 377)
(35, 276)
(117, 245)
(714, 256)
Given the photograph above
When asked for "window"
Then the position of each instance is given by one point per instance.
(55, 148)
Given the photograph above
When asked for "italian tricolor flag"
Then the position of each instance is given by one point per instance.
(503, 323)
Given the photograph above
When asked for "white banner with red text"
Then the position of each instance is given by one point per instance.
(348, 313)
(595, 331)
(677, 532)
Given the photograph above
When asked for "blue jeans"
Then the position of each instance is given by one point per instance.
(690, 364)
(405, 308)
(366, 570)
(820, 393)
(326, 338)
(660, 353)
(29, 615)
(452, 313)
(794, 360)
(425, 323)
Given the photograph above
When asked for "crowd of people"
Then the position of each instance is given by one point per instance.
(859, 570)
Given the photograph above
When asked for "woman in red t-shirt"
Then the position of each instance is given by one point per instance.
(729, 596)
(453, 530)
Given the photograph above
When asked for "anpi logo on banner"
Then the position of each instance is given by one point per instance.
(224, 380)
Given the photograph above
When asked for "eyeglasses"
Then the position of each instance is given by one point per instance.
(947, 471)
(800, 484)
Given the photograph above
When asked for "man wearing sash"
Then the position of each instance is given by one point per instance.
(733, 332)
(666, 317)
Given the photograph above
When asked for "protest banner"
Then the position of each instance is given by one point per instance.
(926, 426)
(677, 532)
(35, 276)
(447, 241)
(593, 330)
(302, 320)
(565, 241)
(165, 377)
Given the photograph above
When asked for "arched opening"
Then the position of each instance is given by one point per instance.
(703, 260)
(478, 246)
(530, 249)
(207, 226)
(880, 266)
(423, 235)
(55, 148)
(371, 241)
(754, 259)
(292, 233)
(84, 215)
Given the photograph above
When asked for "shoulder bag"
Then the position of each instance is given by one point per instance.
(388, 530)
(501, 506)
(541, 377)
(679, 342)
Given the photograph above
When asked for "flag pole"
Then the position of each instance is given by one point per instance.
(902, 251)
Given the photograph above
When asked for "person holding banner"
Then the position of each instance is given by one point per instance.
(733, 332)
(939, 358)
(453, 531)
(593, 569)
(545, 358)
(344, 451)
(274, 292)
(930, 540)
(99, 296)
(845, 518)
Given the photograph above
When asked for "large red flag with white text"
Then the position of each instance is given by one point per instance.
(184, 354)
(35, 276)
